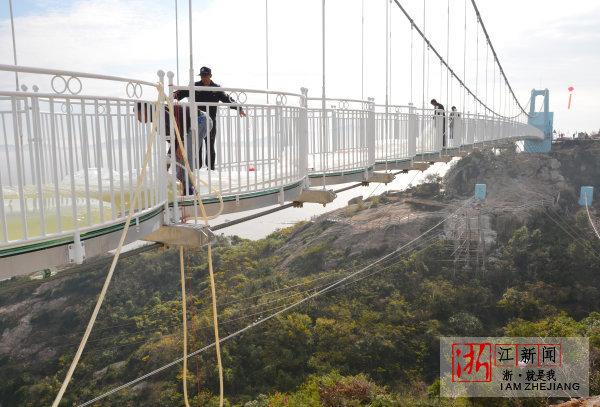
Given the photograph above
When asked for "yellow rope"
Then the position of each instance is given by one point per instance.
(92, 321)
(206, 218)
(216, 325)
(184, 319)
(133, 202)
(191, 174)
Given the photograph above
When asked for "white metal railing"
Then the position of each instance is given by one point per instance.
(431, 128)
(258, 141)
(69, 161)
(395, 130)
(340, 136)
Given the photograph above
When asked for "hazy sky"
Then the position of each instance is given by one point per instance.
(541, 43)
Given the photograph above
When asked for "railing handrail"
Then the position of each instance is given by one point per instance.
(231, 89)
(45, 71)
(339, 100)
(395, 106)
(71, 96)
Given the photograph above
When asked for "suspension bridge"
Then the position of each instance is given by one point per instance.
(72, 159)
(92, 162)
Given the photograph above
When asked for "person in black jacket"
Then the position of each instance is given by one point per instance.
(144, 114)
(209, 97)
(440, 111)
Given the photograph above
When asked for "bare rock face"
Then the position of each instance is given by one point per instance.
(517, 185)
(16, 340)
(583, 402)
(519, 177)
(369, 225)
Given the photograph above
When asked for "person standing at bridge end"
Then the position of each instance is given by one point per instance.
(212, 97)
(440, 111)
(454, 115)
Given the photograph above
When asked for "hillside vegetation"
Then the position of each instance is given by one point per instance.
(372, 341)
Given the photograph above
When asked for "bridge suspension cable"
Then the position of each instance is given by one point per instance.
(444, 62)
(489, 42)
(464, 101)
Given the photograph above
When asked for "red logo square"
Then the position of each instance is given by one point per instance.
(472, 362)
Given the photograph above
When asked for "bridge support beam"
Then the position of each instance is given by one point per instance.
(419, 166)
(380, 177)
(442, 159)
(461, 154)
(186, 235)
(320, 196)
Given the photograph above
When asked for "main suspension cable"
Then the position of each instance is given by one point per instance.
(444, 62)
(489, 41)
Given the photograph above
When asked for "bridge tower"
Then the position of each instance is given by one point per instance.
(543, 120)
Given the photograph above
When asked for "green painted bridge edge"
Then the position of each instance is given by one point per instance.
(241, 197)
(65, 240)
(340, 173)
(398, 161)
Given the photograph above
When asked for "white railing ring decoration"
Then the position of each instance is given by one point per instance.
(371, 105)
(232, 96)
(134, 90)
(344, 104)
(52, 84)
(66, 85)
(237, 97)
(281, 99)
(63, 108)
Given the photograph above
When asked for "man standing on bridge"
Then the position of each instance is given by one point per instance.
(205, 96)
(454, 115)
(440, 111)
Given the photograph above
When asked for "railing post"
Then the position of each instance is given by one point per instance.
(371, 133)
(485, 128)
(171, 217)
(303, 138)
(413, 129)
(36, 139)
(335, 132)
(459, 129)
(76, 249)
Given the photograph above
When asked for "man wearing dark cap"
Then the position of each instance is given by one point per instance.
(206, 96)
(440, 111)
